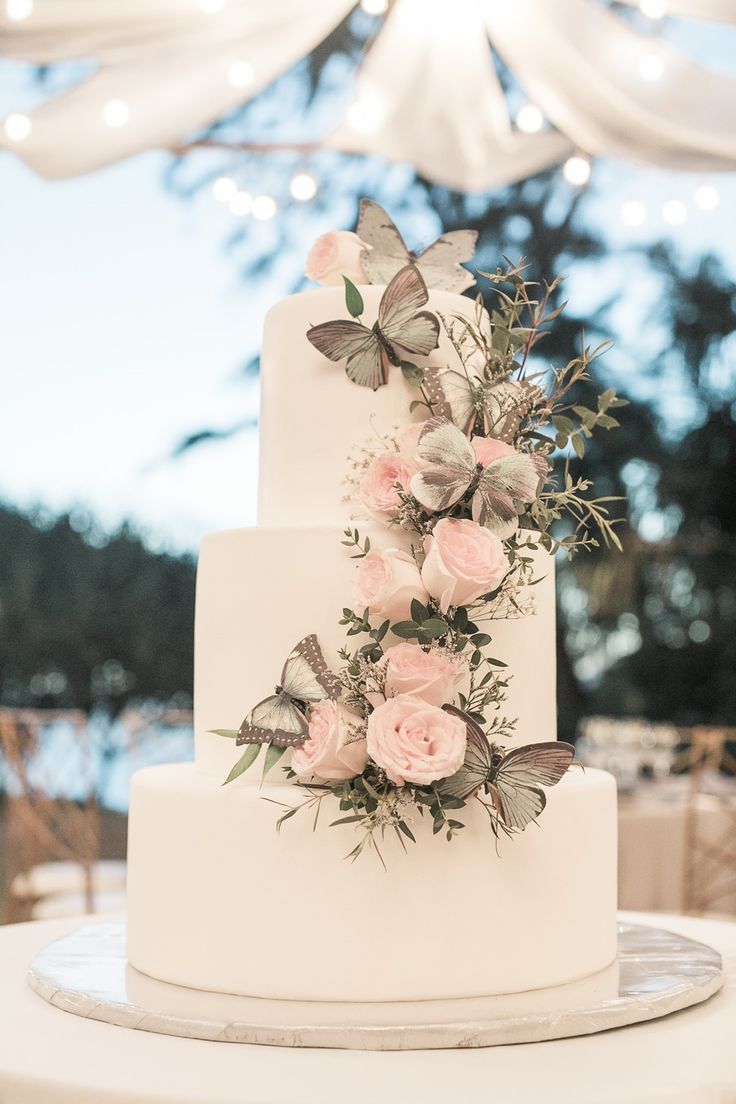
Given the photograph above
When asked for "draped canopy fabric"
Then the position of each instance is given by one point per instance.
(427, 91)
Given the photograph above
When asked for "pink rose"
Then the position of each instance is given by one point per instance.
(334, 255)
(415, 742)
(328, 751)
(378, 485)
(409, 444)
(487, 449)
(386, 582)
(462, 561)
(432, 676)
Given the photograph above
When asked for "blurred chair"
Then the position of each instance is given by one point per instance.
(52, 822)
(710, 824)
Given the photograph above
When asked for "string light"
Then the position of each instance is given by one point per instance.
(529, 119)
(303, 187)
(653, 9)
(241, 203)
(366, 113)
(374, 7)
(116, 113)
(18, 10)
(674, 212)
(264, 207)
(576, 170)
(17, 127)
(707, 197)
(240, 74)
(224, 188)
(633, 212)
(651, 66)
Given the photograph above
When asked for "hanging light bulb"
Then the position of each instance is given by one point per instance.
(576, 170)
(651, 66)
(18, 10)
(653, 9)
(17, 127)
(529, 119)
(674, 211)
(303, 187)
(707, 197)
(116, 113)
(374, 7)
(241, 203)
(633, 213)
(224, 188)
(264, 207)
(240, 73)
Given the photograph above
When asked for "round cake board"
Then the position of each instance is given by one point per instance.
(656, 973)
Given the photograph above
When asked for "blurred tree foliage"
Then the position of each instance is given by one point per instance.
(86, 620)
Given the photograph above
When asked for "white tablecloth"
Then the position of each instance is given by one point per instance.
(652, 849)
(51, 1057)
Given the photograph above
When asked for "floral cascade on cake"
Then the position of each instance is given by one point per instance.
(412, 723)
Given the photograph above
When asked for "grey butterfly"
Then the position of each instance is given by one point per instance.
(452, 472)
(401, 325)
(496, 408)
(512, 779)
(439, 264)
(281, 718)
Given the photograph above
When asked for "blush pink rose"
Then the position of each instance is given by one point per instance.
(462, 561)
(413, 741)
(328, 752)
(432, 676)
(378, 485)
(386, 582)
(487, 449)
(334, 255)
(409, 444)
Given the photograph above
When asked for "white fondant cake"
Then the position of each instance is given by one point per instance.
(217, 898)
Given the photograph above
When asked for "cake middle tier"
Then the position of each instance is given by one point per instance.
(259, 591)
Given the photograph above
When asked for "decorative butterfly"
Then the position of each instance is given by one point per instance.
(512, 779)
(453, 470)
(498, 408)
(281, 719)
(439, 264)
(401, 325)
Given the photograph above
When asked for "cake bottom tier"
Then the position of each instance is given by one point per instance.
(219, 900)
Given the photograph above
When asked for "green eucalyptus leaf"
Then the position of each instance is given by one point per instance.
(435, 627)
(353, 299)
(247, 759)
(412, 373)
(273, 754)
(407, 630)
(230, 733)
(418, 611)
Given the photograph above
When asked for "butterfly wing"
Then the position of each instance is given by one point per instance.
(460, 399)
(451, 465)
(400, 318)
(505, 481)
(351, 341)
(440, 264)
(306, 675)
(516, 781)
(388, 253)
(477, 765)
(506, 404)
(275, 720)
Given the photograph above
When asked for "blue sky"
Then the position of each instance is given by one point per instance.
(123, 324)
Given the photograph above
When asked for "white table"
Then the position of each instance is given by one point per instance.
(51, 1057)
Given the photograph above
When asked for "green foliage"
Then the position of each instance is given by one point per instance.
(86, 621)
(353, 299)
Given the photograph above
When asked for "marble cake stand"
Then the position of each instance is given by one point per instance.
(657, 972)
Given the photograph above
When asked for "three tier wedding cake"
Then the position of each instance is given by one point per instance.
(375, 662)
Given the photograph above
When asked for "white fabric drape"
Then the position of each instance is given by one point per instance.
(427, 91)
